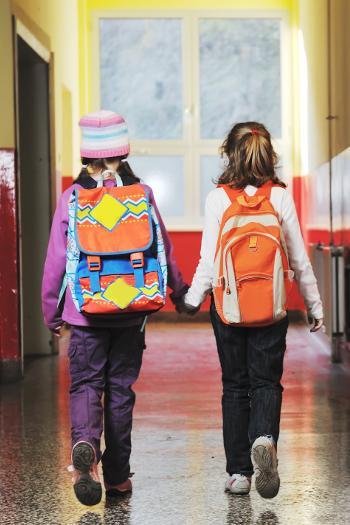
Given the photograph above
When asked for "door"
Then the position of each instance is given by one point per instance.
(34, 174)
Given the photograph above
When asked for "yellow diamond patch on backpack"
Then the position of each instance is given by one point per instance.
(108, 211)
(120, 293)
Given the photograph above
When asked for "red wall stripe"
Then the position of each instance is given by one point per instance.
(66, 182)
(297, 195)
(187, 249)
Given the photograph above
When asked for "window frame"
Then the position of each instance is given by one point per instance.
(191, 146)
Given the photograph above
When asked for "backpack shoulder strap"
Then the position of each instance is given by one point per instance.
(266, 188)
(232, 193)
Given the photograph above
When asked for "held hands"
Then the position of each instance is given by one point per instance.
(183, 308)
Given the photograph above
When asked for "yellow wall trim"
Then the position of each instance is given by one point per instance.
(39, 34)
(188, 4)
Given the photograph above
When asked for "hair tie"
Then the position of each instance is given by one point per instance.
(254, 131)
(88, 168)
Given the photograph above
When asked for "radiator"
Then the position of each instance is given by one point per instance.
(347, 292)
(329, 268)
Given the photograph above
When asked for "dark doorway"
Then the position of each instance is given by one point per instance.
(33, 142)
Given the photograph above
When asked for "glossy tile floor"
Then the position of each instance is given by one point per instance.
(177, 445)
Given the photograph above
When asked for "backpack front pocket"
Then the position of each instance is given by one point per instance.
(249, 292)
(105, 292)
(255, 297)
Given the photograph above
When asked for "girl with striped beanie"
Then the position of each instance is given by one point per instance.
(104, 144)
(105, 352)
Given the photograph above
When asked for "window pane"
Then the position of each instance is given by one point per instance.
(211, 168)
(141, 74)
(239, 74)
(165, 175)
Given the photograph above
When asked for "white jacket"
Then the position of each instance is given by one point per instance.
(216, 204)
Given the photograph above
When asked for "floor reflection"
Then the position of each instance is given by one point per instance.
(90, 518)
(239, 510)
(267, 518)
(177, 442)
(117, 511)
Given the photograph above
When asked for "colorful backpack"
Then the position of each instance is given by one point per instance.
(252, 277)
(116, 262)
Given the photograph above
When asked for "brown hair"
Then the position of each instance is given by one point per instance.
(251, 158)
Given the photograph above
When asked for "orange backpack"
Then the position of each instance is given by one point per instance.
(252, 277)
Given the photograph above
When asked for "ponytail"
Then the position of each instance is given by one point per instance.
(251, 158)
(84, 178)
(124, 170)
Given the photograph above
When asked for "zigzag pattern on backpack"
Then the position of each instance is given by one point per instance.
(137, 209)
(147, 292)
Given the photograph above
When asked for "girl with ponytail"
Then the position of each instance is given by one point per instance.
(251, 357)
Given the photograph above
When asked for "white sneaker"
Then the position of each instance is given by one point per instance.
(265, 463)
(238, 484)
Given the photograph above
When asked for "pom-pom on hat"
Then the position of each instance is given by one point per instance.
(104, 134)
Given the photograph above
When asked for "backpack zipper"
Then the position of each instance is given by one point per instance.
(234, 241)
(253, 277)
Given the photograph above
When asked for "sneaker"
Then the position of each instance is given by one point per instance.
(264, 459)
(238, 484)
(86, 481)
(114, 491)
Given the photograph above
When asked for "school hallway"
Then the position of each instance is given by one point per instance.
(178, 456)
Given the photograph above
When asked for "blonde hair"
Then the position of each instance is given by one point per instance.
(251, 158)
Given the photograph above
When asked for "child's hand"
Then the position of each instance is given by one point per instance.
(183, 308)
(317, 325)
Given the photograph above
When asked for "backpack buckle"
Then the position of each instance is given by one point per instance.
(137, 260)
(94, 263)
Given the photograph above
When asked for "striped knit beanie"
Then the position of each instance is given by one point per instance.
(104, 134)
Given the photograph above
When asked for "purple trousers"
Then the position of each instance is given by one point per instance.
(105, 362)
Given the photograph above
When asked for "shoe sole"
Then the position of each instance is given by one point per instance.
(238, 492)
(87, 490)
(115, 493)
(267, 482)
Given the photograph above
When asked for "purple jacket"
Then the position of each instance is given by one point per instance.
(55, 267)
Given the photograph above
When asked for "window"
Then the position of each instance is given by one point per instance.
(239, 74)
(141, 75)
(182, 80)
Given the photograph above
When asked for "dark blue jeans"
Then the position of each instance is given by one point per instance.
(105, 362)
(252, 366)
